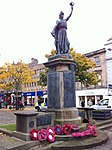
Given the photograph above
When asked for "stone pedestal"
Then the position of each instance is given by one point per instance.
(25, 122)
(61, 89)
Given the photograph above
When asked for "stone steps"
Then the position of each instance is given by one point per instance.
(104, 124)
(99, 123)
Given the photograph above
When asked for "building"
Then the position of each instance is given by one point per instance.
(103, 59)
(108, 47)
(32, 91)
(95, 92)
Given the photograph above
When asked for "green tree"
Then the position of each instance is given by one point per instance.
(84, 69)
(43, 78)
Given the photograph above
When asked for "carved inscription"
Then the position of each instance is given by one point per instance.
(43, 120)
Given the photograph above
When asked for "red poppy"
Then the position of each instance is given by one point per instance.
(74, 127)
(77, 134)
(66, 129)
(51, 137)
(58, 129)
(34, 134)
(42, 135)
(51, 130)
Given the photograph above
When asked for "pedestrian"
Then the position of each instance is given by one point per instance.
(82, 103)
(0, 104)
(6, 105)
(89, 103)
(20, 105)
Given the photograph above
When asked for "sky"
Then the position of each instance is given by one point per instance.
(25, 27)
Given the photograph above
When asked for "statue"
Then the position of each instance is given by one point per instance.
(59, 33)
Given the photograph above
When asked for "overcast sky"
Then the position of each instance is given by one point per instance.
(25, 27)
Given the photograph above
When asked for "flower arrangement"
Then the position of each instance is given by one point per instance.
(34, 134)
(66, 129)
(58, 129)
(42, 135)
(49, 133)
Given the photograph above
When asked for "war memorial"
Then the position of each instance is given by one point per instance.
(61, 123)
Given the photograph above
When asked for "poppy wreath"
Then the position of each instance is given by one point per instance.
(51, 130)
(42, 135)
(51, 134)
(92, 130)
(34, 134)
(58, 129)
(74, 127)
(77, 134)
(51, 137)
(66, 129)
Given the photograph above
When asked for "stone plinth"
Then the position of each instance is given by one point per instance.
(25, 121)
(61, 89)
(66, 116)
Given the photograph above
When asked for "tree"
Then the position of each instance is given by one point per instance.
(84, 66)
(84, 69)
(43, 78)
(13, 76)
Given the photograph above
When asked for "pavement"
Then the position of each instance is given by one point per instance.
(7, 142)
(7, 116)
(11, 143)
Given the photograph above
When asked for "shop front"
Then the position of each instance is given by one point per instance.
(90, 95)
(31, 97)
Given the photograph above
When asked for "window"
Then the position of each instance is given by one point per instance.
(97, 60)
(100, 78)
(34, 83)
(104, 102)
(35, 72)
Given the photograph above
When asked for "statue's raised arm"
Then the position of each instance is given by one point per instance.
(71, 4)
(60, 33)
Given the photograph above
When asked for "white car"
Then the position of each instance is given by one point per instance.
(103, 104)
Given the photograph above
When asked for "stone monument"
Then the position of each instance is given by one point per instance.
(61, 76)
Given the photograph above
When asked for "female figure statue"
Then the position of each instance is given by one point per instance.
(59, 33)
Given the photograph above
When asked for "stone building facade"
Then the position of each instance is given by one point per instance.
(94, 92)
(32, 91)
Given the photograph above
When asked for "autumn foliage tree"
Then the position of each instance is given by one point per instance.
(84, 66)
(12, 76)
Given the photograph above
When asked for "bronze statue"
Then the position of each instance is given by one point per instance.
(59, 33)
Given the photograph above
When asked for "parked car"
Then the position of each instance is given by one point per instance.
(105, 103)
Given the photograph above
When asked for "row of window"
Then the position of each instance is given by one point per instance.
(33, 84)
(37, 71)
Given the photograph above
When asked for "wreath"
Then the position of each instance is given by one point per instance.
(66, 129)
(34, 134)
(42, 135)
(51, 130)
(51, 137)
(51, 134)
(58, 129)
(74, 127)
